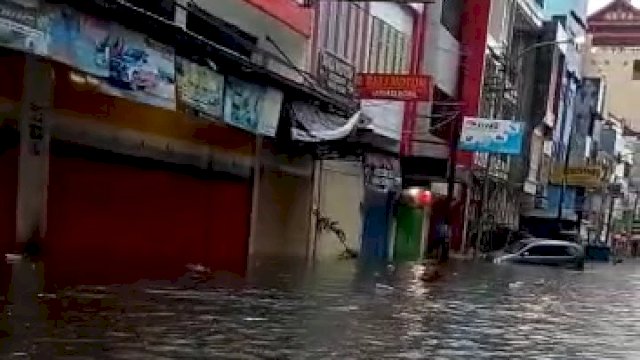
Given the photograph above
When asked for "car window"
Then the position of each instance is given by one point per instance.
(516, 247)
(549, 250)
(571, 251)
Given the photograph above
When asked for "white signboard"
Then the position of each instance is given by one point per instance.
(491, 136)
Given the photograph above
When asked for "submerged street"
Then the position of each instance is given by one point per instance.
(475, 311)
(319, 179)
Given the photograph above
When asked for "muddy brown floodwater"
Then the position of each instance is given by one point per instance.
(334, 311)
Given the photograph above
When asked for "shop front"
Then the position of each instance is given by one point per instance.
(412, 216)
(151, 190)
(10, 93)
(138, 150)
(8, 186)
(382, 186)
(282, 201)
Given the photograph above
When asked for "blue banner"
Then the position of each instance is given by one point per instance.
(492, 136)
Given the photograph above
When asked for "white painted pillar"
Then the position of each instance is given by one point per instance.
(315, 208)
(255, 200)
(181, 13)
(35, 135)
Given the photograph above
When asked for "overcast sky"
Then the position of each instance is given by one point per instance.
(597, 4)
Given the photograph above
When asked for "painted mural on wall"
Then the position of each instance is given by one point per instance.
(128, 64)
(252, 107)
(200, 88)
(21, 28)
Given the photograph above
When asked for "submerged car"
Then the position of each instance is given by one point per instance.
(544, 252)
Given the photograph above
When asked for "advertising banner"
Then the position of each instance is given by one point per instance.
(492, 136)
(582, 176)
(394, 87)
(252, 107)
(78, 40)
(200, 88)
(128, 64)
(21, 27)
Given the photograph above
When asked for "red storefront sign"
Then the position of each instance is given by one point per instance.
(394, 87)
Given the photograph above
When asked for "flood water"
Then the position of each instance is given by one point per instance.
(334, 311)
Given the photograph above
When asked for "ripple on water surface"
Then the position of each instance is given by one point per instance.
(475, 311)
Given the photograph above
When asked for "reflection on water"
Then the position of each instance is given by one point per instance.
(475, 311)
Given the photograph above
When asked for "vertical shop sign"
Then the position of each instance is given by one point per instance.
(200, 88)
(21, 27)
(35, 129)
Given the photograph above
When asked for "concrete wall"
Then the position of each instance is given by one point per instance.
(615, 65)
(340, 198)
(282, 227)
(387, 116)
(563, 7)
(253, 20)
(498, 30)
(394, 14)
(442, 53)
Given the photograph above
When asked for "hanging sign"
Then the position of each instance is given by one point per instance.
(335, 74)
(398, 87)
(583, 176)
(128, 64)
(491, 136)
(252, 107)
(200, 88)
(21, 27)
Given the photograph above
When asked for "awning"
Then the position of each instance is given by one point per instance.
(311, 124)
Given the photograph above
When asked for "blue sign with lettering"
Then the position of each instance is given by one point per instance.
(492, 136)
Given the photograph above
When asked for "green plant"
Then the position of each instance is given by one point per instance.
(326, 224)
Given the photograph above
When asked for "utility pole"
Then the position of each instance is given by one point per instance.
(612, 203)
(499, 111)
(563, 185)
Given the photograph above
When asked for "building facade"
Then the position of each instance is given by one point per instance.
(612, 54)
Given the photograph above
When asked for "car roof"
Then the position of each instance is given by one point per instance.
(549, 242)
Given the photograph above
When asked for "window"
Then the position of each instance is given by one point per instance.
(162, 8)
(451, 16)
(220, 32)
(549, 250)
(636, 69)
(388, 50)
(343, 30)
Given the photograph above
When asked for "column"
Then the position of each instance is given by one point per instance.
(34, 150)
